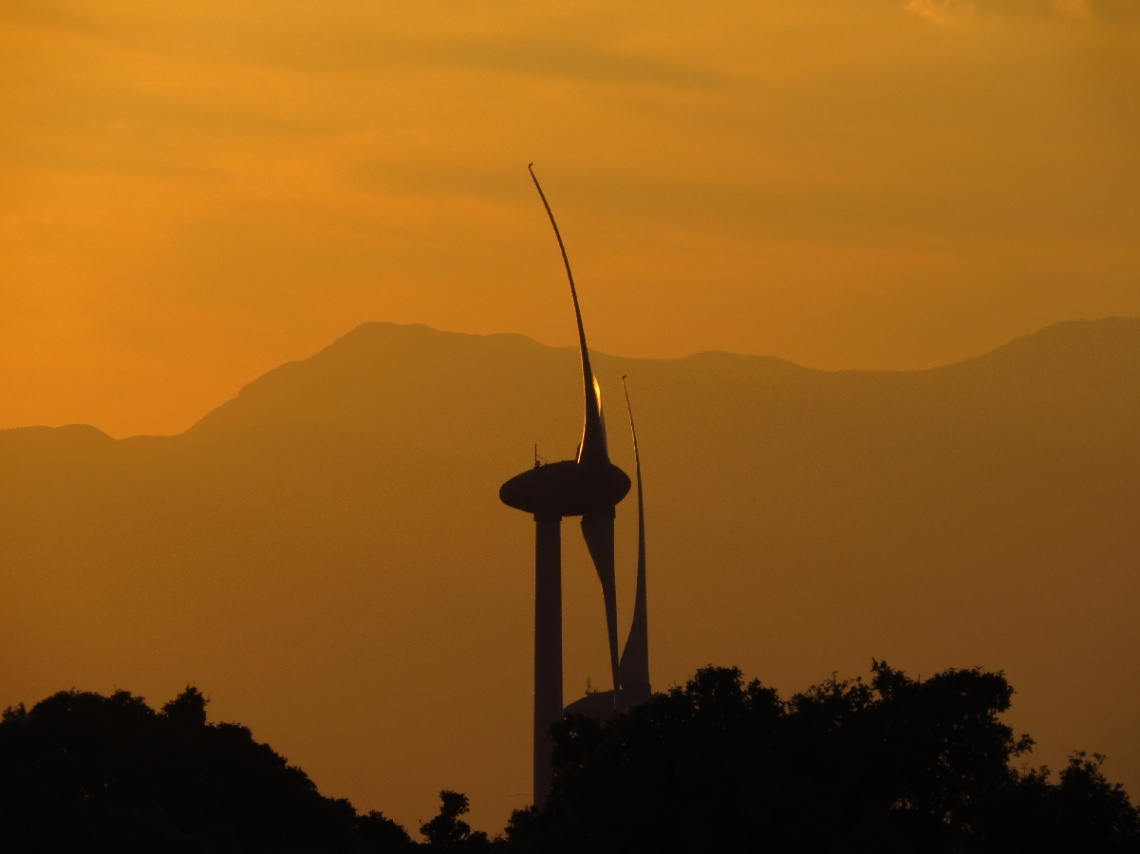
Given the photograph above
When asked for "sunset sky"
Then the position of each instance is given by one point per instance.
(193, 192)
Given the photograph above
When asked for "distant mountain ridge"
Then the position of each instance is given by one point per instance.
(1076, 351)
(327, 552)
(348, 381)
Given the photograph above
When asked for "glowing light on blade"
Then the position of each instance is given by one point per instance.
(592, 454)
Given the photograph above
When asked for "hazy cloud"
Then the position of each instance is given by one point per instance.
(1073, 8)
(949, 12)
(1115, 11)
(255, 178)
(942, 11)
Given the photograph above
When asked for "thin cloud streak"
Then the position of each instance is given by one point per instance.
(284, 175)
(943, 12)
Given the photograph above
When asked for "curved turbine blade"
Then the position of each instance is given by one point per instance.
(592, 453)
(634, 667)
(598, 529)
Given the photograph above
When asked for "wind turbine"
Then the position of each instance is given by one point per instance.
(589, 486)
(633, 670)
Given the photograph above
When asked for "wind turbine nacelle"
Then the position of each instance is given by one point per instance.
(565, 489)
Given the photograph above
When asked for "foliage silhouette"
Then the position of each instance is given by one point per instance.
(84, 772)
(448, 832)
(889, 765)
(896, 765)
(381, 835)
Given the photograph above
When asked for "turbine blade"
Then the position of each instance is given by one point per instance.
(598, 530)
(592, 453)
(633, 669)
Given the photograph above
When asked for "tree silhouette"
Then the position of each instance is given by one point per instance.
(719, 764)
(84, 772)
(381, 835)
(448, 832)
(189, 707)
(893, 765)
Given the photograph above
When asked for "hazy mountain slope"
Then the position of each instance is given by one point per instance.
(295, 571)
(326, 556)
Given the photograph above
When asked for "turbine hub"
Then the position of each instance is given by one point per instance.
(565, 489)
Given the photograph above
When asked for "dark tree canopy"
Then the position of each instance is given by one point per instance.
(83, 772)
(896, 765)
(717, 765)
(448, 832)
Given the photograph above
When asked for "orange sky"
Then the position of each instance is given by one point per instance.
(193, 192)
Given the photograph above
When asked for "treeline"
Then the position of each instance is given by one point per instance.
(718, 765)
(889, 765)
(86, 773)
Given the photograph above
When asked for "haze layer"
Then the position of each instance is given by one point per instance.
(326, 556)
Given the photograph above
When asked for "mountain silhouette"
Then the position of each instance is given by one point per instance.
(334, 531)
